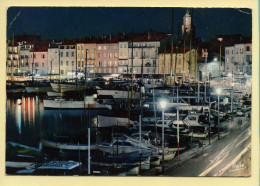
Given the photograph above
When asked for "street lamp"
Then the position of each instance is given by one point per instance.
(218, 91)
(220, 39)
(163, 105)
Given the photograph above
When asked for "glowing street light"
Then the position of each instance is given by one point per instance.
(163, 105)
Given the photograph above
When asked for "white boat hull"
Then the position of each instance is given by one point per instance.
(55, 94)
(67, 146)
(118, 94)
(155, 162)
(15, 164)
(62, 104)
(104, 121)
(168, 156)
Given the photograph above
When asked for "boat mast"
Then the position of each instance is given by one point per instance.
(86, 66)
(175, 63)
(178, 129)
(164, 64)
(171, 47)
(33, 60)
(142, 67)
(154, 109)
(197, 71)
(132, 65)
(12, 78)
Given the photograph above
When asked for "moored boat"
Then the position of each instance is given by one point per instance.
(73, 104)
(37, 89)
(55, 94)
(67, 146)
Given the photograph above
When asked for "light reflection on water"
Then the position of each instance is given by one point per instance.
(27, 121)
(19, 116)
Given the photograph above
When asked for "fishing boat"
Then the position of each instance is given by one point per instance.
(66, 87)
(55, 94)
(124, 159)
(118, 94)
(73, 104)
(38, 87)
(15, 87)
(167, 156)
(20, 161)
(198, 130)
(20, 156)
(54, 168)
(123, 145)
(67, 146)
(155, 161)
(105, 121)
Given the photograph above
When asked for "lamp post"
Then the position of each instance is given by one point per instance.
(220, 39)
(163, 105)
(205, 94)
(218, 91)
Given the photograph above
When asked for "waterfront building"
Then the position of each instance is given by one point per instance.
(123, 67)
(238, 59)
(24, 49)
(107, 55)
(142, 49)
(86, 47)
(12, 62)
(67, 58)
(53, 60)
(39, 59)
(182, 63)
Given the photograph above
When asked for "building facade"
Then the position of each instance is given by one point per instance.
(12, 62)
(67, 58)
(238, 59)
(83, 50)
(182, 63)
(53, 60)
(107, 56)
(24, 49)
(39, 60)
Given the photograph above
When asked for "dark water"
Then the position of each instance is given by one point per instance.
(27, 121)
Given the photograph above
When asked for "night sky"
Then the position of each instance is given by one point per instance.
(60, 23)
